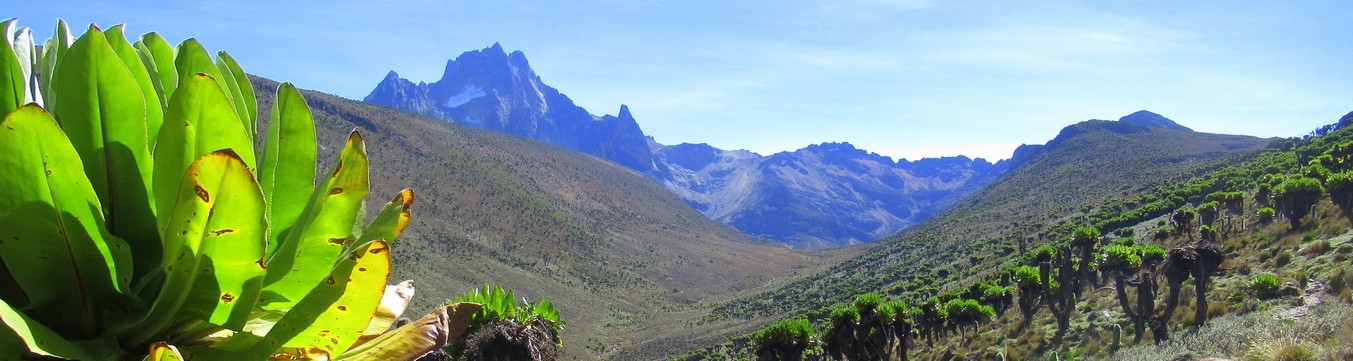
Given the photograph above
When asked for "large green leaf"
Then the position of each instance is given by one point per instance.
(310, 248)
(21, 334)
(12, 76)
(158, 56)
(241, 90)
(52, 53)
(315, 327)
(29, 60)
(200, 120)
(132, 59)
(104, 115)
(191, 58)
(54, 239)
(213, 258)
(391, 221)
(283, 169)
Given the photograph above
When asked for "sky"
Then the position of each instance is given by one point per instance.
(903, 78)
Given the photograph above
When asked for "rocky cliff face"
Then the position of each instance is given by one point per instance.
(491, 89)
(822, 196)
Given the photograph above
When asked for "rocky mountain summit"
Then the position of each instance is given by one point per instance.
(1145, 118)
(491, 89)
(822, 196)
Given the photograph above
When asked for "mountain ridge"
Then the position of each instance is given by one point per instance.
(807, 198)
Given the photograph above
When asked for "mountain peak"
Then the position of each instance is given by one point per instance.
(625, 112)
(1146, 118)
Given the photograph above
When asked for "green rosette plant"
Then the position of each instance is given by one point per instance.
(137, 219)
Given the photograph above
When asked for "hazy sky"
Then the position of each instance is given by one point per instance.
(903, 78)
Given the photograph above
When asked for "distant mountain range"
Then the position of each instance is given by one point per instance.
(822, 196)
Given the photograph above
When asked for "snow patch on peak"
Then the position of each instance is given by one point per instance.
(471, 92)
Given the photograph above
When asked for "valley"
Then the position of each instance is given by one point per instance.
(159, 204)
(619, 255)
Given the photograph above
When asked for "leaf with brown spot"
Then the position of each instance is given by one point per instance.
(219, 241)
(305, 255)
(210, 124)
(391, 220)
(201, 193)
(337, 313)
(161, 351)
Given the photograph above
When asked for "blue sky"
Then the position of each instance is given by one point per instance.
(903, 78)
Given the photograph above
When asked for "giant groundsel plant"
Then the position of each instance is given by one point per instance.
(137, 220)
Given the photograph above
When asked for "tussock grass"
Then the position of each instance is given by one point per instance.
(1325, 334)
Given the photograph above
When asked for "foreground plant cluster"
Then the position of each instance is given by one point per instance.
(1220, 243)
(138, 221)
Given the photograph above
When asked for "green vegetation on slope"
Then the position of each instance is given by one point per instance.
(622, 258)
(1063, 307)
(1090, 166)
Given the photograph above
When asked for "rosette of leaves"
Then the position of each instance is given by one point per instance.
(506, 329)
(1265, 285)
(139, 220)
(785, 339)
(839, 338)
(1030, 287)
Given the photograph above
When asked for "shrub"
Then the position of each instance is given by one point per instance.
(868, 301)
(784, 337)
(503, 326)
(500, 305)
(1026, 276)
(1266, 214)
(1281, 350)
(1164, 232)
(1265, 285)
(1282, 258)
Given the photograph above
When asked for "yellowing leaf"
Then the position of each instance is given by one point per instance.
(312, 245)
(391, 221)
(332, 316)
(415, 339)
(200, 120)
(213, 260)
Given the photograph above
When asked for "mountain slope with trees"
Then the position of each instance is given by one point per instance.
(613, 250)
(1130, 180)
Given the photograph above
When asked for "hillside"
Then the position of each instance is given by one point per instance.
(1090, 166)
(615, 251)
(822, 196)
